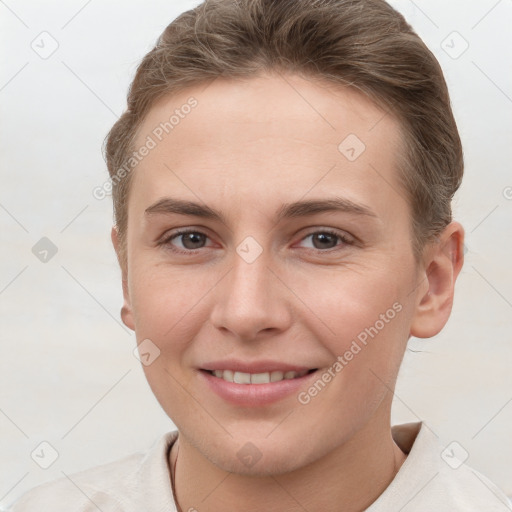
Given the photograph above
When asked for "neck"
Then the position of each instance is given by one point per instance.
(354, 474)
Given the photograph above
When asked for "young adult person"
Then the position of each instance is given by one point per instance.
(282, 185)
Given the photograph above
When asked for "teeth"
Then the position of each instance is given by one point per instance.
(276, 376)
(260, 378)
(242, 378)
(256, 378)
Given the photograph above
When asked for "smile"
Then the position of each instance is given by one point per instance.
(261, 388)
(257, 378)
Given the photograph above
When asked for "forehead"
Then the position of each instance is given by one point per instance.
(268, 136)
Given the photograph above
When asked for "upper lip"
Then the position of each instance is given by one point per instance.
(262, 366)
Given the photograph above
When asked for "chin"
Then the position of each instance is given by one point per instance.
(258, 458)
(273, 465)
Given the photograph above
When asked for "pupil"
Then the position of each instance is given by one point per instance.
(197, 238)
(193, 238)
(324, 237)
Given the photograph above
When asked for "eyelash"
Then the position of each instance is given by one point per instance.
(179, 232)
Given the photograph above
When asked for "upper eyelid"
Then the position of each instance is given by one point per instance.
(349, 238)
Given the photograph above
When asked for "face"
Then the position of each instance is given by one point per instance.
(296, 256)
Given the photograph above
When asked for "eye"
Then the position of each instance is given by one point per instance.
(190, 240)
(326, 239)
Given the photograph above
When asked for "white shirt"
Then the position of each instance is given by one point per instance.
(141, 482)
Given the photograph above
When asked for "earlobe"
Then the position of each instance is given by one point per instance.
(127, 316)
(444, 261)
(126, 310)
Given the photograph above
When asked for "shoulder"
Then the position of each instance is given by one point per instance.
(435, 477)
(466, 489)
(117, 486)
(93, 489)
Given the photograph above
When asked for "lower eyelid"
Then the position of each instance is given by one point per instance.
(166, 240)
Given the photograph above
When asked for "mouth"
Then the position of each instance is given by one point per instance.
(258, 387)
(257, 378)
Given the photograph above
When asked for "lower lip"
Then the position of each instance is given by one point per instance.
(253, 395)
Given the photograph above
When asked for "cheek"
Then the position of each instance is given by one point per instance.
(366, 339)
(168, 305)
(348, 301)
(166, 311)
(365, 315)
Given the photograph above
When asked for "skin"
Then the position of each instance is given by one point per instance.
(249, 147)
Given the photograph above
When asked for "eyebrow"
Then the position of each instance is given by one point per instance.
(169, 205)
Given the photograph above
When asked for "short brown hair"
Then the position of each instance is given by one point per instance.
(364, 44)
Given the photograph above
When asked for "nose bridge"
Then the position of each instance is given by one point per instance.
(251, 298)
(250, 275)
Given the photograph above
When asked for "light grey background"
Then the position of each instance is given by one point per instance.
(67, 372)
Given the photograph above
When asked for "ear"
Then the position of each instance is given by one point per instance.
(443, 261)
(126, 310)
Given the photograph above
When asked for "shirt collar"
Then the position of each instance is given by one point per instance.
(154, 476)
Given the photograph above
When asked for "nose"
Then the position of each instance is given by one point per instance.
(252, 299)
